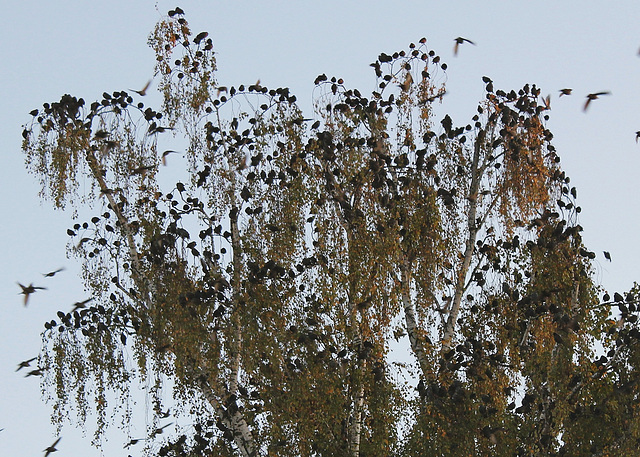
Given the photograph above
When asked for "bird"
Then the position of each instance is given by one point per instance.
(408, 80)
(159, 430)
(36, 372)
(81, 304)
(132, 442)
(25, 363)
(547, 102)
(52, 273)
(459, 40)
(165, 154)
(594, 97)
(142, 169)
(637, 135)
(607, 255)
(51, 448)
(28, 290)
(565, 92)
(142, 92)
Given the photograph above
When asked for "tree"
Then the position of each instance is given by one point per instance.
(267, 285)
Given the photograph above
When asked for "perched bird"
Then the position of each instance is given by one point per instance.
(52, 273)
(51, 448)
(565, 92)
(593, 97)
(25, 363)
(607, 255)
(459, 41)
(142, 92)
(28, 290)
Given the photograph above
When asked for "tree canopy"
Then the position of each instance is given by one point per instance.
(365, 281)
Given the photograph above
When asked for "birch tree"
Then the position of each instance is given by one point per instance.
(268, 287)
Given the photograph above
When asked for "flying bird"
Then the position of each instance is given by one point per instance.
(547, 102)
(36, 372)
(165, 154)
(51, 448)
(81, 304)
(28, 290)
(607, 255)
(159, 430)
(565, 92)
(459, 41)
(52, 273)
(132, 442)
(593, 97)
(25, 363)
(142, 92)
(142, 169)
(406, 85)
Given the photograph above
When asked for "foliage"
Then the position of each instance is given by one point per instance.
(269, 287)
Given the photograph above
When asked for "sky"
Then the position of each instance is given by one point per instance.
(86, 48)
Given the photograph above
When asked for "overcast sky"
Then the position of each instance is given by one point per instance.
(85, 48)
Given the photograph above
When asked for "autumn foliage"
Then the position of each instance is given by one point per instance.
(367, 281)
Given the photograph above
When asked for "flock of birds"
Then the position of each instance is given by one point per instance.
(590, 97)
(566, 91)
(27, 291)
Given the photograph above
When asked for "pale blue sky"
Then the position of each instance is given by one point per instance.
(85, 48)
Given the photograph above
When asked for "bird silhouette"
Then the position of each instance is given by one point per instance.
(81, 304)
(25, 363)
(165, 154)
(459, 40)
(593, 96)
(637, 135)
(52, 273)
(28, 290)
(565, 92)
(132, 442)
(607, 255)
(143, 91)
(36, 372)
(159, 430)
(51, 448)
